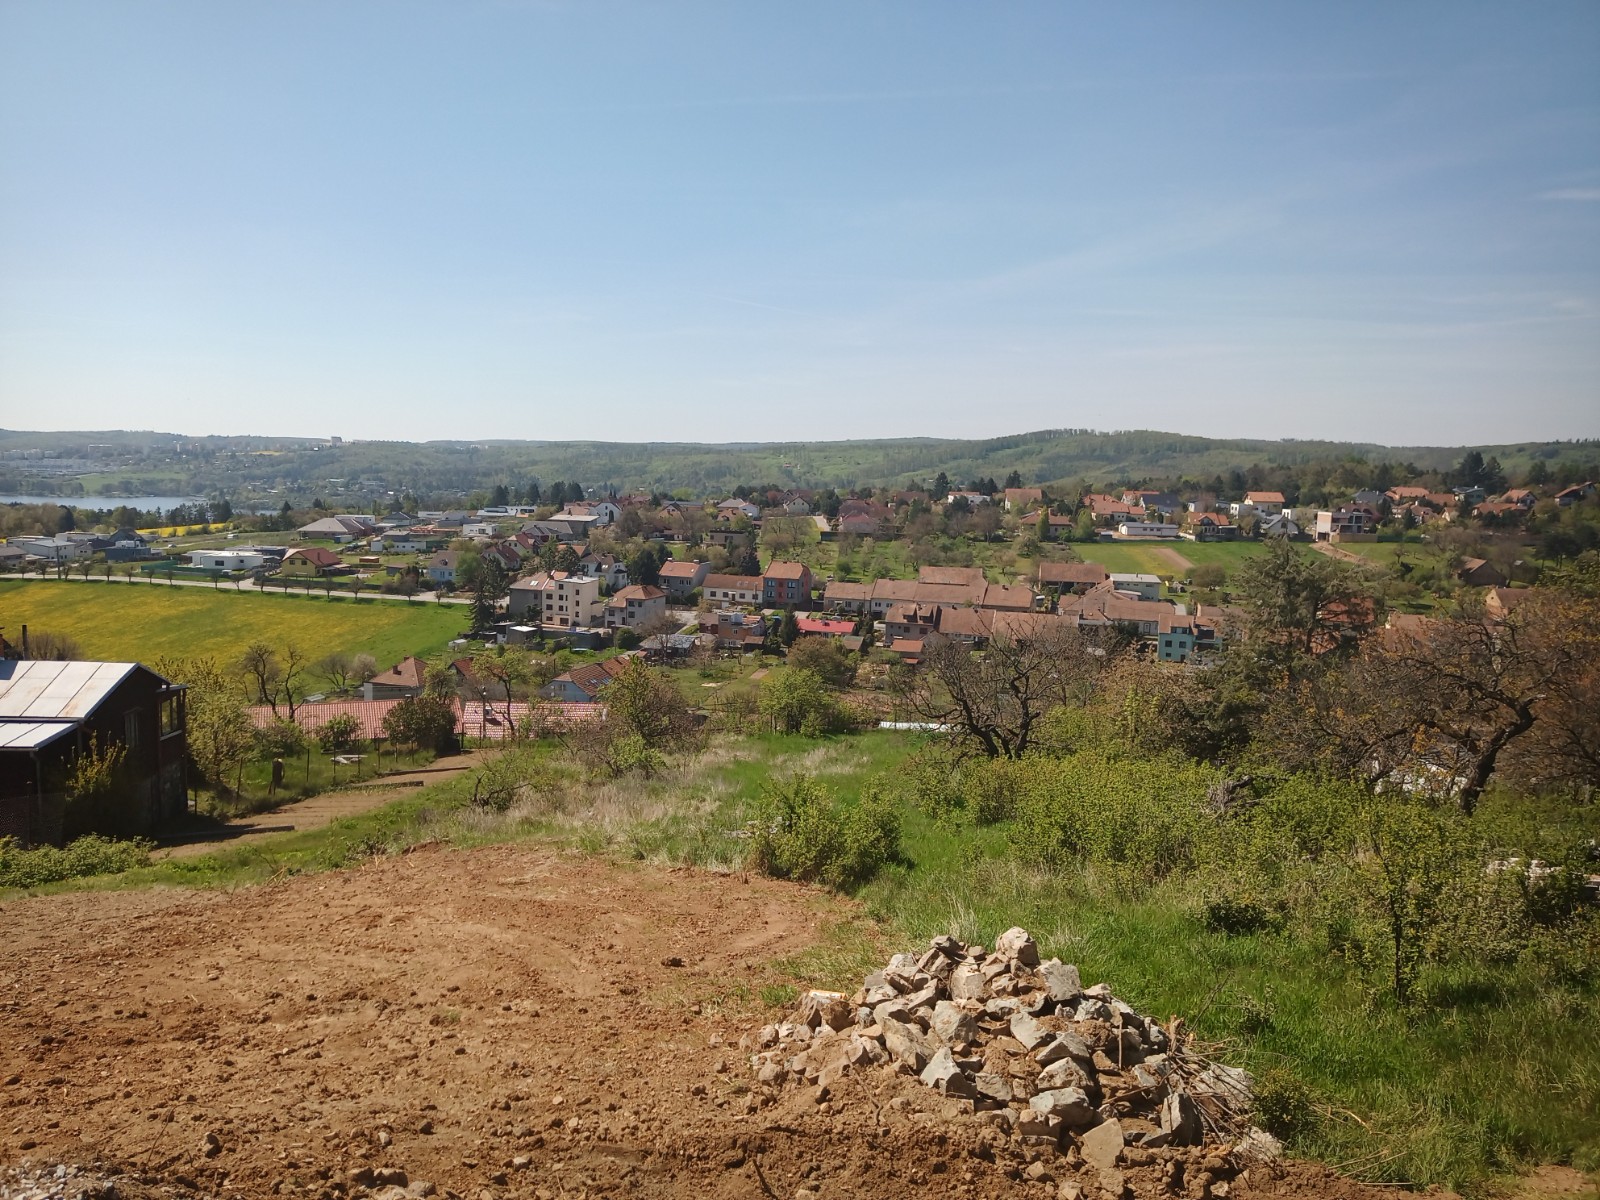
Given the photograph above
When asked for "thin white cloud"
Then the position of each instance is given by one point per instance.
(1590, 194)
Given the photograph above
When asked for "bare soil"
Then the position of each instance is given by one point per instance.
(501, 1022)
(1173, 558)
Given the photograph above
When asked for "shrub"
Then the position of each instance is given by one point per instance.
(1284, 1105)
(281, 739)
(338, 734)
(802, 831)
(90, 855)
(798, 701)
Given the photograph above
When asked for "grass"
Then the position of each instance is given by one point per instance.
(1503, 1074)
(141, 622)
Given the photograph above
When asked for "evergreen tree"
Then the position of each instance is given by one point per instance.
(749, 562)
(941, 486)
(789, 628)
(1014, 480)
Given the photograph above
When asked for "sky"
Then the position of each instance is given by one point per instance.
(749, 221)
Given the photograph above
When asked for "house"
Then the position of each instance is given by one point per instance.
(311, 561)
(610, 570)
(728, 538)
(1477, 572)
(1470, 495)
(839, 596)
(570, 526)
(338, 529)
(505, 555)
(480, 530)
(127, 545)
(1212, 527)
(1150, 529)
(1105, 607)
(51, 712)
(442, 567)
(734, 507)
(1406, 495)
(634, 606)
(1145, 587)
(825, 627)
(973, 499)
(797, 507)
(1070, 577)
(558, 598)
(1281, 525)
(1370, 498)
(408, 541)
(786, 585)
(12, 557)
(53, 549)
(733, 589)
(582, 685)
(1175, 638)
(740, 631)
(916, 623)
(405, 678)
(1110, 512)
(1521, 497)
(679, 577)
(1500, 601)
(1343, 523)
(604, 512)
(1023, 497)
(1145, 500)
(226, 560)
(1566, 496)
(861, 525)
(1266, 504)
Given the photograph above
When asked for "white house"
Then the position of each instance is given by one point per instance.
(603, 511)
(227, 560)
(732, 589)
(1146, 587)
(633, 606)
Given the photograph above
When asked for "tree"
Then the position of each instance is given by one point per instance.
(274, 677)
(788, 628)
(993, 701)
(487, 581)
(1013, 480)
(422, 722)
(796, 700)
(500, 497)
(748, 562)
(825, 658)
(986, 521)
(1301, 606)
(566, 559)
(220, 732)
(509, 669)
(941, 486)
(338, 669)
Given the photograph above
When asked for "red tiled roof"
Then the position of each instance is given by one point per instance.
(407, 673)
(488, 721)
(678, 569)
(786, 570)
(824, 625)
(369, 715)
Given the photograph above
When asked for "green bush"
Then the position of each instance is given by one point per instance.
(802, 831)
(90, 855)
(338, 734)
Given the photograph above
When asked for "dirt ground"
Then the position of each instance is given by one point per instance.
(500, 1022)
(1174, 559)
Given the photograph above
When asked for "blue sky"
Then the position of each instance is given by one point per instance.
(752, 221)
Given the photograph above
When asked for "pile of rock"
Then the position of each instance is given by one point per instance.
(1025, 1044)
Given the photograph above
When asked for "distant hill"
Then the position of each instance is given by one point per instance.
(128, 463)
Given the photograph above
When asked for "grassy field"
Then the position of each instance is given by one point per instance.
(141, 622)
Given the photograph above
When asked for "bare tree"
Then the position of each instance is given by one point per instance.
(1439, 703)
(262, 673)
(338, 669)
(992, 700)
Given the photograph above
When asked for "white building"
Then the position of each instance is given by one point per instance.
(1156, 529)
(557, 598)
(55, 549)
(227, 560)
(1146, 587)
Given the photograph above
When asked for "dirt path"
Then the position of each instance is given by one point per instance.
(501, 1022)
(319, 810)
(1338, 552)
(1170, 556)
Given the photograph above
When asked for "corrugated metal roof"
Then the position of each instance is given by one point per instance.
(59, 690)
(30, 735)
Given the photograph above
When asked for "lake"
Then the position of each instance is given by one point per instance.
(144, 503)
